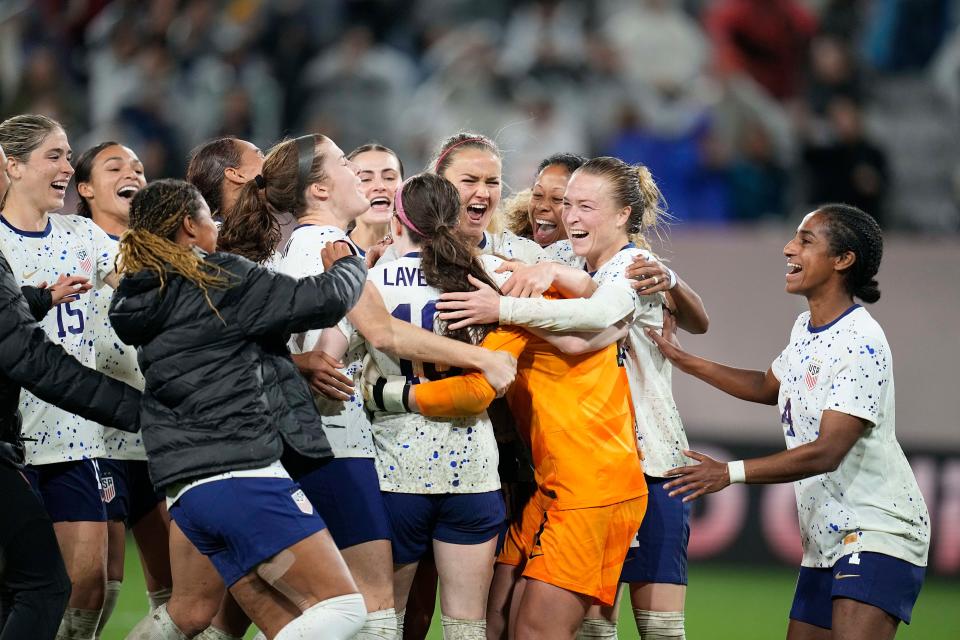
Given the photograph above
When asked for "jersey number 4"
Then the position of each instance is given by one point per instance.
(787, 418)
(68, 320)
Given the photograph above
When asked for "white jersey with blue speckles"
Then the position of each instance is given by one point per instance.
(562, 251)
(510, 246)
(117, 360)
(345, 424)
(660, 433)
(69, 245)
(872, 501)
(416, 454)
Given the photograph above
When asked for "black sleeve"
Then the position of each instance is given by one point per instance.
(33, 361)
(272, 302)
(39, 300)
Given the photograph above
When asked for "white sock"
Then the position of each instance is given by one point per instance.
(157, 626)
(660, 625)
(400, 616)
(457, 629)
(212, 633)
(380, 625)
(333, 619)
(78, 624)
(159, 597)
(109, 604)
(597, 628)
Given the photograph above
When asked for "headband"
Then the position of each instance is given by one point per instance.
(436, 167)
(306, 149)
(398, 207)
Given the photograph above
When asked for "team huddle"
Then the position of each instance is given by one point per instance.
(319, 449)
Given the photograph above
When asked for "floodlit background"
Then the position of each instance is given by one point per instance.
(746, 111)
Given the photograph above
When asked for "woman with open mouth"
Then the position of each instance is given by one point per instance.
(62, 449)
(381, 172)
(107, 178)
(863, 521)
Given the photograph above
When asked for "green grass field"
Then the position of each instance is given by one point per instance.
(723, 602)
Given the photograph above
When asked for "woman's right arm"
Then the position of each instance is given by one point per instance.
(752, 385)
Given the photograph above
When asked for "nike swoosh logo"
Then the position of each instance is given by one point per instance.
(841, 576)
(31, 274)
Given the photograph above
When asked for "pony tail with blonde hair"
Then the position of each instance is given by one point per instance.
(515, 212)
(654, 208)
(156, 213)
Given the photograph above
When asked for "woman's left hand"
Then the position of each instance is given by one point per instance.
(649, 275)
(66, 288)
(699, 479)
(527, 281)
(465, 308)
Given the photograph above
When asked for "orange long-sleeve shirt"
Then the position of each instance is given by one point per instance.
(575, 411)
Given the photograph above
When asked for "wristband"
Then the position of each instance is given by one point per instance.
(738, 474)
(673, 278)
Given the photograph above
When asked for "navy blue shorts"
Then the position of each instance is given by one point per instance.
(346, 493)
(876, 579)
(128, 494)
(458, 518)
(659, 553)
(240, 522)
(69, 491)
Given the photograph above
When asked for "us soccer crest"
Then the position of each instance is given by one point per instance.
(84, 259)
(108, 490)
(302, 502)
(813, 370)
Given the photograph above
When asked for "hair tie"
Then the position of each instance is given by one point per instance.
(398, 207)
(260, 181)
(443, 155)
(306, 150)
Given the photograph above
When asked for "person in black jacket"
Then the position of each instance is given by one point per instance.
(223, 399)
(34, 579)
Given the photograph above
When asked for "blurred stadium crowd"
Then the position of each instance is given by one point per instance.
(743, 109)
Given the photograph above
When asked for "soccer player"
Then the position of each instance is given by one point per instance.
(34, 581)
(439, 477)
(608, 207)
(381, 171)
(107, 177)
(210, 329)
(541, 220)
(863, 521)
(62, 447)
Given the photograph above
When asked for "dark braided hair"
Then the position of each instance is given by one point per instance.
(432, 204)
(156, 213)
(850, 229)
(83, 169)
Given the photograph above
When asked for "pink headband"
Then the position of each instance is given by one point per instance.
(443, 155)
(398, 207)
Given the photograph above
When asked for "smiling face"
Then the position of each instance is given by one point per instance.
(546, 205)
(379, 179)
(596, 226)
(810, 267)
(41, 181)
(115, 177)
(342, 182)
(476, 173)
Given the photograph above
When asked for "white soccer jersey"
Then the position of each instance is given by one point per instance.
(117, 360)
(660, 433)
(510, 246)
(345, 424)
(416, 454)
(69, 245)
(872, 501)
(562, 251)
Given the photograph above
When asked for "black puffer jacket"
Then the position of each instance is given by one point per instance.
(29, 359)
(224, 395)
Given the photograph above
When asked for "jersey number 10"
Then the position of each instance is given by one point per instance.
(414, 370)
